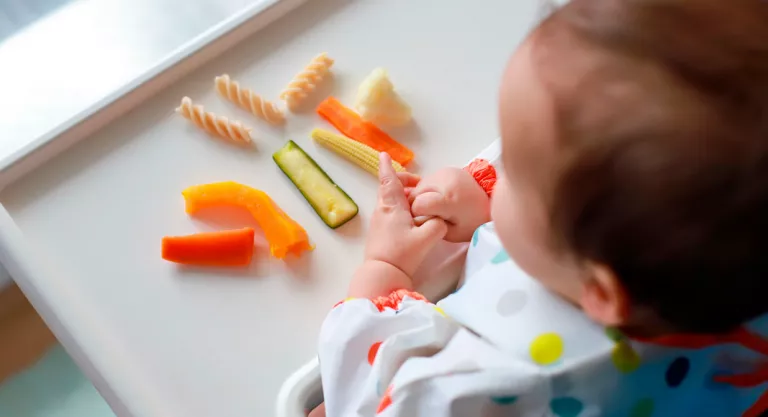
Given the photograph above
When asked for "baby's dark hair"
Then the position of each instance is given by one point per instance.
(665, 136)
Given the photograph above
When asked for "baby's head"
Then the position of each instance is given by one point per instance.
(635, 150)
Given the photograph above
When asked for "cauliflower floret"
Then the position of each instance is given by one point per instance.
(378, 102)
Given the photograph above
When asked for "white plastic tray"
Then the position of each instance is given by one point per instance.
(81, 233)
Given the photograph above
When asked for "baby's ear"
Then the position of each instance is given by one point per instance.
(603, 298)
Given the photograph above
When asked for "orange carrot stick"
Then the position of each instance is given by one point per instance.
(352, 125)
(225, 248)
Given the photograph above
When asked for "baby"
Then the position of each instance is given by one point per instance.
(625, 271)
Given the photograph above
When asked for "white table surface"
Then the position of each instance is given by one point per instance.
(165, 341)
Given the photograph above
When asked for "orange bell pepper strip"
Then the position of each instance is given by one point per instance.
(283, 233)
(225, 248)
(352, 125)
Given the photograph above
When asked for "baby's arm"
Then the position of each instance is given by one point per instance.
(458, 196)
(376, 278)
(396, 246)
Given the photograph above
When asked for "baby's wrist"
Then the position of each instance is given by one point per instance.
(477, 200)
(376, 278)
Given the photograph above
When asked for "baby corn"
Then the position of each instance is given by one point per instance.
(359, 153)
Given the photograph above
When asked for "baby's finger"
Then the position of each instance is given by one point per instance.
(431, 204)
(418, 190)
(391, 191)
(434, 229)
(419, 220)
(408, 179)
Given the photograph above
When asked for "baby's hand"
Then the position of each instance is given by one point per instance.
(453, 195)
(393, 236)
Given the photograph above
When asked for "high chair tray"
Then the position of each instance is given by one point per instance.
(84, 209)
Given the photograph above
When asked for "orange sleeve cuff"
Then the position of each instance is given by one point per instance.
(392, 300)
(484, 173)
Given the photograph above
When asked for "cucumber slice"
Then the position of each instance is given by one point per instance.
(330, 202)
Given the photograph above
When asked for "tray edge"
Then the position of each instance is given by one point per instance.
(176, 65)
(16, 255)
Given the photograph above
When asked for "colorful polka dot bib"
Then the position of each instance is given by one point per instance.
(610, 373)
(503, 345)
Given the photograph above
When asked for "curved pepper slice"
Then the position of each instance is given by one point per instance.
(283, 233)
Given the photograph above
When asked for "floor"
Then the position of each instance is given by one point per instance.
(37, 377)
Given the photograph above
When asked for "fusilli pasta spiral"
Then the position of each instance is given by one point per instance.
(248, 100)
(217, 125)
(305, 82)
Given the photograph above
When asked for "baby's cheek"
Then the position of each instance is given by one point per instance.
(499, 210)
(521, 230)
(509, 221)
